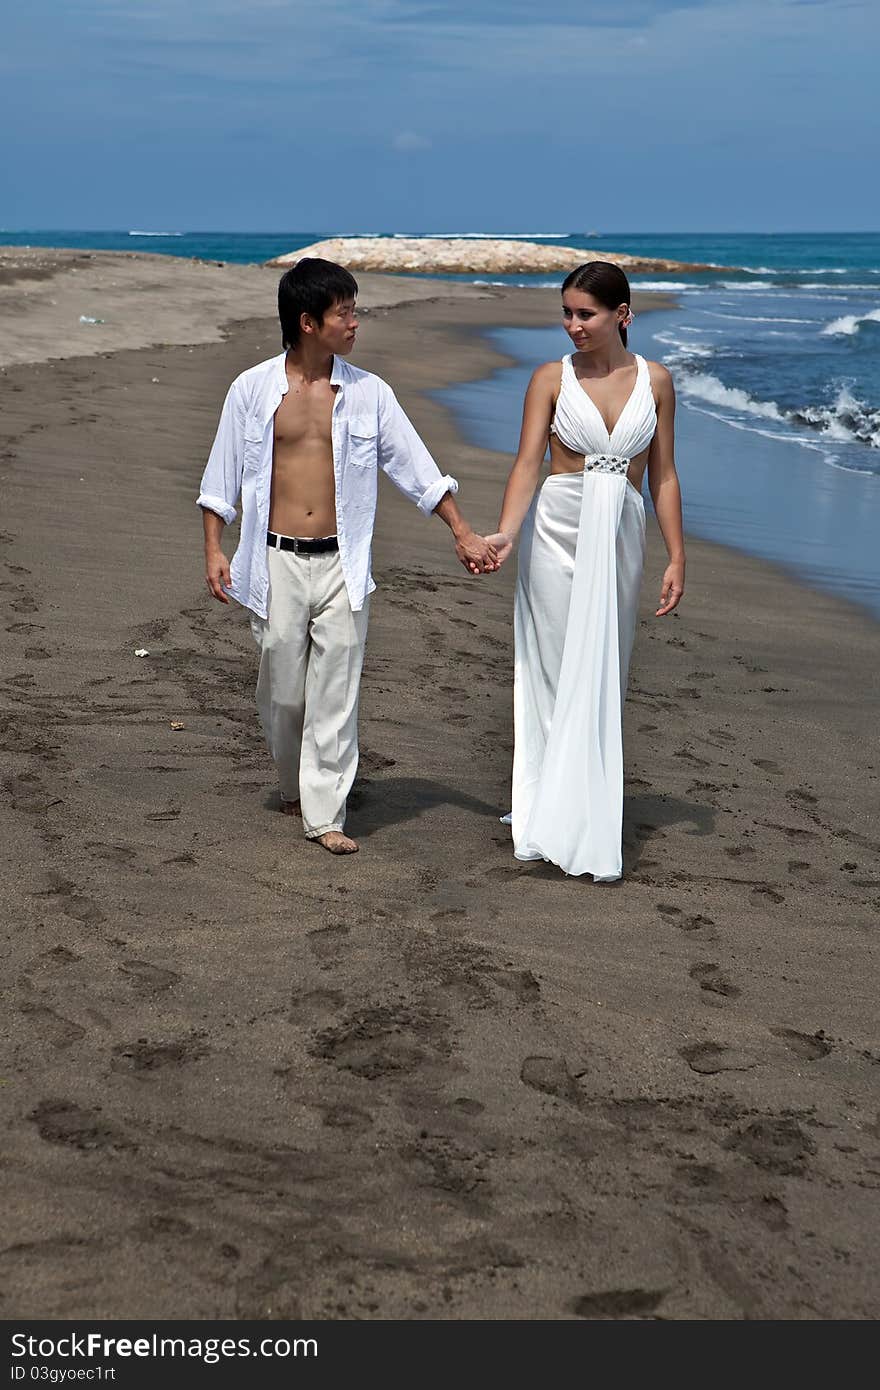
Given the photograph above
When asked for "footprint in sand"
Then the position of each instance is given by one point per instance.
(799, 794)
(764, 890)
(114, 854)
(551, 1076)
(521, 983)
(468, 1106)
(72, 903)
(711, 978)
(56, 1030)
(808, 1046)
(61, 955)
(144, 1055)
(371, 761)
(347, 1117)
(792, 832)
(64, 1122)
(311, 1005)
(149, 978)
(767, 765)
(503, 873)
(709, 1058)
(778, 1145)
(328, 942)
(702, 927)
(690, 757)
(28, 794)
(619, 1303)
(383, 1041)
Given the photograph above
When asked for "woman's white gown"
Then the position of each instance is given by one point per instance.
(581, 554)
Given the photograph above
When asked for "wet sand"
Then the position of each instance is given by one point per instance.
(246, 1079)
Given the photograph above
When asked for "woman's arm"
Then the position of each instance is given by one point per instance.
(665, 491)
(523, 479)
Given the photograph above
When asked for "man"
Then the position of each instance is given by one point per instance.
(300, 439)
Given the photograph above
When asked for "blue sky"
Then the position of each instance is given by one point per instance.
(418, 115)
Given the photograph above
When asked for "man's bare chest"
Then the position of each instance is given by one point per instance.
(304, 418)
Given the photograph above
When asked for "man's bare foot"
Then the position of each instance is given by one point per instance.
(337, 843)
(290, 808)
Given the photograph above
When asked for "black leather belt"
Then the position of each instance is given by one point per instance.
(302, 545)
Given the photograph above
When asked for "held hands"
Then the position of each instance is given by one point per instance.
(217, 575)
(671, 589)
(476, 553)
(503, 544)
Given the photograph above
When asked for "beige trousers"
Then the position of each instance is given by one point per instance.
(311, 654)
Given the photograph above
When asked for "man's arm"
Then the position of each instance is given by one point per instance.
(216, 564)
(475, 553)
(221, 484)
(409, 465)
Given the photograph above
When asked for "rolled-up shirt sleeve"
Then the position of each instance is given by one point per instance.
(404, 458)
(221, 480)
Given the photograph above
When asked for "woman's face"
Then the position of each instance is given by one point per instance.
(588, 323)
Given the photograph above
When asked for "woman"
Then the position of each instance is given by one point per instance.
(608, 416)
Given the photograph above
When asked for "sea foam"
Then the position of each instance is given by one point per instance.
(849, 324)
(708, 388)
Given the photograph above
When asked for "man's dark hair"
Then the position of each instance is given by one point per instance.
(311, 287)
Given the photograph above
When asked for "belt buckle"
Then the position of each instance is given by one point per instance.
(296, 549)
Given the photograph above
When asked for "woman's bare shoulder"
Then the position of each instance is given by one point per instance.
(660, 375)
(661, 381)
(548, 374)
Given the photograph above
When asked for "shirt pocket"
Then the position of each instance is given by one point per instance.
(363, 443)
(254, 433)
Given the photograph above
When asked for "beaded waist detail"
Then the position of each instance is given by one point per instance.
(605, 463)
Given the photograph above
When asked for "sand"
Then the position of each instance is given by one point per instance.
(245, 1079)
(57, 303)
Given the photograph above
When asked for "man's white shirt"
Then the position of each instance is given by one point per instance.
(369, 430)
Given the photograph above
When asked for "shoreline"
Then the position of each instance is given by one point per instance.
(499, 359)
(248, 1080)
(182, 301)
(522, 308)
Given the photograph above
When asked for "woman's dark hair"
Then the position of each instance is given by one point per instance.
(605, 281)
(311, 287)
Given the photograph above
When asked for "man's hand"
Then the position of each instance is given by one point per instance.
(671, 589)
(217, 574)
(475, 553)
(502, 545)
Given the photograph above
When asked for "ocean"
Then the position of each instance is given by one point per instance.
(776, 365)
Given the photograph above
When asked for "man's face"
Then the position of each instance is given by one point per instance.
(337, 332)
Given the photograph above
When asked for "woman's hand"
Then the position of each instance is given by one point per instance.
(503, 545)
(672, 588)
(475, 552)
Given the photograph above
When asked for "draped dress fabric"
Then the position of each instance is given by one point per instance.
(581, 555)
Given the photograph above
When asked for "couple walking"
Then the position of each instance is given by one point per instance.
(300, 440)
